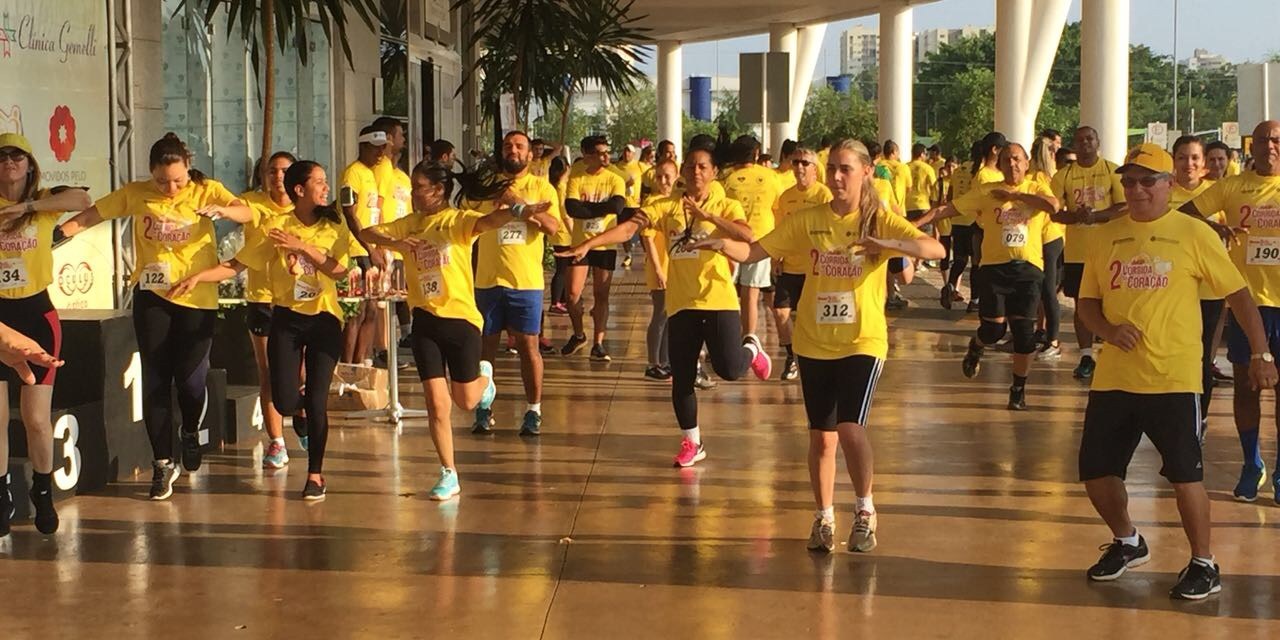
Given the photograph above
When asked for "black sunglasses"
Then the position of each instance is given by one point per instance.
(1146, 181)
(15, 154)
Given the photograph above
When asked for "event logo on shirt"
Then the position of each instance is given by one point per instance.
(166, 231)
(23, 239)
(1089, 195)
(836, 264)
(299, 265)
(1141, 272)
(430, 257)
(1266, 216)
(1012, 215)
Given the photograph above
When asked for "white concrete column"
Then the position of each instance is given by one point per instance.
(782, 39)
(1027, 35)
(808, 51)
(895, 73)
(671, 93)
(1104, 73)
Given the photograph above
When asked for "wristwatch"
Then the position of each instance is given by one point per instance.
(1265, 357)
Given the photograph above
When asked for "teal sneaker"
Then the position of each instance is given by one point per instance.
(304, 441)
(276, 456)
(491, 391)
(1251, 480)
(532, 424)
(483, 425)
(447, 487)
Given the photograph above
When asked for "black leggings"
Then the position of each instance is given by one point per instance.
(961, 250)
(173, 347)
(560, 279)
(687, 331)
(1210, 314)
(1049, 289)
(315, 341)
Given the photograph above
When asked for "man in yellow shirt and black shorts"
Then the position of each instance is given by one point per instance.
(361, 202)
(1140, 292)
(595, 197)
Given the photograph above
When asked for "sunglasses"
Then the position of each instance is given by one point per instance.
(12, 155)
(802, 163)
(1146, 181)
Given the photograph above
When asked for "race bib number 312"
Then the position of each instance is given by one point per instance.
(835, 308)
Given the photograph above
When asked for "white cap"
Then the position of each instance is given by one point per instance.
(375, 138)
(632, 148)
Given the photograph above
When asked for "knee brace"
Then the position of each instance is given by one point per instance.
(990, 332)
(1024, 335)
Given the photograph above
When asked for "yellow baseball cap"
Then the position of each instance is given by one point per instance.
(16, 141)
(1148, 156)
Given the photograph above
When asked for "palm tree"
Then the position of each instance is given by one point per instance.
(545, 51)
(264, 23)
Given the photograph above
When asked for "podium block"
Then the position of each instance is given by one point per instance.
(232, 350)
(244, 414)
(80, 460)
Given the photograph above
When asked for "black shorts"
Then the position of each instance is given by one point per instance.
(364, 262)
(36, 318)
(1011, 289)
(607, 259)
(562, 262)
(787, 291)
(259, 318)
(897, 265)
(439, 342)
(1072, 274)
(838, 391)
(1115, 421)
(916, 214)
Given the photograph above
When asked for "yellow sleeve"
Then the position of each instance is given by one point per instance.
(893, 227)
(114, 204)
(788, 237)
(573, 191)
(217, 193)
(341, 250)
(1089, 287)
(463, 230)
(1058, 186)
(1213, 200)
(734, 212)
(1117, 189)
(350, 187)
(970, 204)
(257, 252)
(552, 198)
(619, 186)
(398, 229)
(1217, 272)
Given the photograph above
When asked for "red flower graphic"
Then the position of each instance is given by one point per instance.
(62, 133)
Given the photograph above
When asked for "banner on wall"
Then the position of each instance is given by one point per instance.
(54, 60)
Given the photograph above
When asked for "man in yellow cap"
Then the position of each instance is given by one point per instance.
(1140, 293)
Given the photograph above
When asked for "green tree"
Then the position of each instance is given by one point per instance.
(633, 118)
(968, 98)
(828, 112)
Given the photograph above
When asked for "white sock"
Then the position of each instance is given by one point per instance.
(693, 435)
(279, 441)
(1204, 562)
(1086, 352)
(1130, 540)
(535, 407)
(865, 504)
(825, 514)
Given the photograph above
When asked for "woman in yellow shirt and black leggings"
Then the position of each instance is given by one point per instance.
(28, 215)
(436, 241)
(173, 237)
(303, 255)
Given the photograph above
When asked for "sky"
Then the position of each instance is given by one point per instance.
(1216, 25)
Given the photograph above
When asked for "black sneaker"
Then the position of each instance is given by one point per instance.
(546, 348)
(972, 362)
(163, 475)
(46, 516)
(192, 456)
(313, 491)
(483, 425)
(531, 424)
(1017, 399)
(1042, 339)
(6, 505)
(574, 345)
(656, 372)
(946, 296)
(1117, 558)
(1084, 370)
(791, 369)
(973, 306)
(598, 354)
(1197, 582)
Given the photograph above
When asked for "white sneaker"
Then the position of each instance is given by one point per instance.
(823, 535)
(863, 537)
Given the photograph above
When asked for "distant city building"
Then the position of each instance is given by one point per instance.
(931, 40)
(860, 45)
(1202, 60)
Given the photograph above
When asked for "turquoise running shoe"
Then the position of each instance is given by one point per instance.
(447, 487)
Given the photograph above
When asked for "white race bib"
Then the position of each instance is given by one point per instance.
(155, 277)
(594, 225)
(681, 251)
(13, 274)
(835, 308)
(1014, 235)
(304, 291)
(516, 232)
(1263, 251)
(430, 284)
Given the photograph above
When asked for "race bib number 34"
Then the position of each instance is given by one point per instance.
(13, 274)
(835, 308)
(1263, 251)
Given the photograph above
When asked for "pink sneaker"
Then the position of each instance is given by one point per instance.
(762, 364)
(690, 453)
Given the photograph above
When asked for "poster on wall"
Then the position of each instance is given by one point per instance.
(54, 60)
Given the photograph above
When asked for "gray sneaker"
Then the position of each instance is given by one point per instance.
(162, 478)
(863, 537)
(1049, 352)
(823, 536)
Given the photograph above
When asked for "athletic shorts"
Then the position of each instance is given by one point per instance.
(787, 291)
(897, 265)
(757, 274)
(514, 310)
(1011, 289)
(36, 318)
(1072, 274)
(439, 342)
(606, 259)
(364, 262)
(1238, 349)
(838, 391)
(916, 214)
(1115, 421)
(259, 318)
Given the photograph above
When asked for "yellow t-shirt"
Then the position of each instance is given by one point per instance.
(884, 189)
(395, 189)
(659, 259)
(793, 200)
(1147, 274)
(257, 287)
(823, 156)
(170, 242)
(841, 311)
(1054, 230)
(1251, 202)
(1010, 230)
(511, 255)
(1233, 169)
(1097, 187)
(439, 276)
(756, 187)
(564, 235)
(1180, 196)
(786, 179)
(540, 167)
(605, 184)
(697, 279)
(635, 173)
(963, 179)
(360, 185)
(902, 181)
(26, 254)
(924, 185)
(296, 284)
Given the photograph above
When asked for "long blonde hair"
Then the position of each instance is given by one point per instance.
(1042, 159)
(31, 192)
(869, 204)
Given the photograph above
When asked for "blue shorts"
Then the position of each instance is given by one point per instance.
(1238, 350)
(515, 310)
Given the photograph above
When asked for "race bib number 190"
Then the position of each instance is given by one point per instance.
(1263, 251)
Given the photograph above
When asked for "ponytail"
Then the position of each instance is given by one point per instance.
(478, 185)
